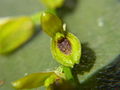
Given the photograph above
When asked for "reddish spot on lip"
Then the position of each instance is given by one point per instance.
(64, 46)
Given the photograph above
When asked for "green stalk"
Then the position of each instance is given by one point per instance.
(36, 18)
(70, 77)
(68, 74)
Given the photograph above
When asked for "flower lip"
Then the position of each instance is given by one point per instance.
(66, 49)
(64, 45)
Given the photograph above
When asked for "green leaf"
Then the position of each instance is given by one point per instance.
(96, 22)
(51, 24)
(53, 3)
(14, 33)
(33, 80)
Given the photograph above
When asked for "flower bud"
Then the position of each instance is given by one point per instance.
(15, 32)
(34, 80)
(51, 24)
(53, 3)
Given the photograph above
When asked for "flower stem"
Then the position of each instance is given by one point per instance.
(69, 76)
(68, 73)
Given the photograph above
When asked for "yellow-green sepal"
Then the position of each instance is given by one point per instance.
(14, 32)
(66, 59)
(51, 24)
(34, 80)
(50, 80)
(53, 3)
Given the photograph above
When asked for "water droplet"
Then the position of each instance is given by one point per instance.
(26, 74)
(100, 22)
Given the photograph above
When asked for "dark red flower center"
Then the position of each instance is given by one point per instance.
(64, 45)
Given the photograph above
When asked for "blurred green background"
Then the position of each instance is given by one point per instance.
(95, 22)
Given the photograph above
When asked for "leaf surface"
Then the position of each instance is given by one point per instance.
(95, 23)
